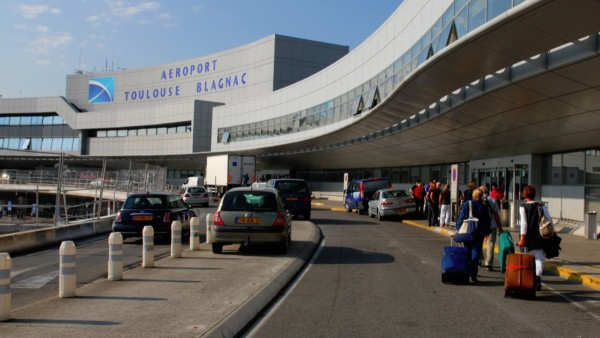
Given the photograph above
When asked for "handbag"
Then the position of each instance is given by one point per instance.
(545, 225)
(468, 227)
(551, 246)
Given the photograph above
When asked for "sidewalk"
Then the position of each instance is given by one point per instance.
(198, 295)
(579, 259)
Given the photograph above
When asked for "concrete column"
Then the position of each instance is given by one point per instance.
(591, 227)
(148, 244)
(176, 239)
(195, 234)
(209, 220)
(5, 295)
(67, 279)
(115, 256)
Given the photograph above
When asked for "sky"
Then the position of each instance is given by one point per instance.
(41, 42)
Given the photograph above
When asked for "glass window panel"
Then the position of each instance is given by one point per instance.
(142, 132)
(15, 120)
(111, 133)
(180, 129)
(58, 120)
(122, 132)
(172, 130)
(447, 17)
(13, 143)
(46, 144)
(423, 56)
(497, 7)
(24, 144)
(1, 143)
(25, 120)
(476, 14)
(37, 120)
(416, 49)
(48, 120)
(101, 133)
(67, 144)
(132, 132)
(461, 23)
(573, 165)
(517, 2)
(436, 28)
(161, 131)
(443, 39)
(406, 58)
(459, 5)
(426, 39)
(75, 143)
(36, 144)
(4, 120)
(592, 167)
(151, 131)
(56, 144)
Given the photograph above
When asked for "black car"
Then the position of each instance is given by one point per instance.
(156, 209)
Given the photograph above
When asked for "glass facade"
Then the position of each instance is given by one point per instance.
(136, 131)
(37, 133)
(460, 18)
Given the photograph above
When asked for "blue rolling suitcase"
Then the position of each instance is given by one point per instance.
(455, 264)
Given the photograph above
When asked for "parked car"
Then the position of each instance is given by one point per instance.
(295, 193)
(196, 196)
(259, 185)
(247, 215)
(391, 202)
(156, 209)
(359, 192)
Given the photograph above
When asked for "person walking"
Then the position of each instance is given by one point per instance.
(496, 193)
(418, 193)
(434, 199)
(531, 238)
(445, 206)
(495, 228)
(475, 247)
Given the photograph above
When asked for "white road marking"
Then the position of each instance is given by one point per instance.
(15, 273)
(574, 303)
(35, 282)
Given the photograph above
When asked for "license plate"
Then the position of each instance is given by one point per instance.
(248, 220)
(142, 218)
(400, 210)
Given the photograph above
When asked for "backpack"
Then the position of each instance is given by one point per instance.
(545, 225)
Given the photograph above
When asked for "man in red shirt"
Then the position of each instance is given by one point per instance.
(496, 193)
(418, 193)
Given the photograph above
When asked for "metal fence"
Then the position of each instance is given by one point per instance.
(69, 190)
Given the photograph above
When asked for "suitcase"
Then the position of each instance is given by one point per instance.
(455, 264)
(506, 246)
(520, 275)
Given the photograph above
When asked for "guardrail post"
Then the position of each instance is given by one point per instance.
(209, 219)
(195, 234)
(5, 296)
(67, 278)
(176, 239)
(148, 244)
(115, 256)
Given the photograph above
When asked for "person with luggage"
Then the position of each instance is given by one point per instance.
(531, 238)
(475, 246)
(495, 227)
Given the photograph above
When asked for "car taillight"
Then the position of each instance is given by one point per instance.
(118, 220)
(362, 191)
(186, 195)
(387, 203)
(217, 220)
(167, 217)
(306, 199)
(279, 221)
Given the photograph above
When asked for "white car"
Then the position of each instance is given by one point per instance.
(391, 202)
(259, 185)
(196, 196)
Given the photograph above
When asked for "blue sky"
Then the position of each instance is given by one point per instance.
(44, 41)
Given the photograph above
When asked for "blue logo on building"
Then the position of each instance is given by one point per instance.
(101, 90)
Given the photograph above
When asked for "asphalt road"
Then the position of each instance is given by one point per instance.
(383, 279)
(34, 276)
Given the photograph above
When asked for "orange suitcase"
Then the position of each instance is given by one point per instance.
(520, 275)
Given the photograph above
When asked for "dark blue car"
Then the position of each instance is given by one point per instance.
(360, 192)
(295, 193)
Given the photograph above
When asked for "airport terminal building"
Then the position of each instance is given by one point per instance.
(494, 91)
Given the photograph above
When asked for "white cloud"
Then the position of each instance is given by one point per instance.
(46, 44)
(38, 28)
(42, 62)
(42, 29)
(92, 18)
(32, 11)
(121, 9)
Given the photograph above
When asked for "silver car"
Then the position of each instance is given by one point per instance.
(247, 215)
(195, 196)
(391, 202)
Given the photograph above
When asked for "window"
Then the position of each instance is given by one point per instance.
(122, 132)
(497, 7)
(476, 14)
(573, 166)
(101, 133)
(15, 120)
(161, 131)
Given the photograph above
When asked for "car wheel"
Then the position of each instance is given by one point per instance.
(379, 216)
(283, 246)
(347, 207)
(217, 248)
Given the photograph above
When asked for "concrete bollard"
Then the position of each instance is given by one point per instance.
(67, 279)
(209, 220)
(5, 295)
(148, 244)
(176, 239)
(195, 234)
(115, 256)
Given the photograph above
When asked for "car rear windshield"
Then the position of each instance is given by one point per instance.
(394, 193)
(143, 202)
(292, 186)
(195, 190)
(249, 201)
(376, 185)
